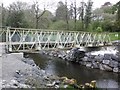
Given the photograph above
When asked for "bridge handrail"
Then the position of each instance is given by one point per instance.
(47, 30)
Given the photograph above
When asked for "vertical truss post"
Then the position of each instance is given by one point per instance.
(7, 39)
(109, 40)
(23, 39)
(38, 47)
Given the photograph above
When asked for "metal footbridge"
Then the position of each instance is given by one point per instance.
(24, 39)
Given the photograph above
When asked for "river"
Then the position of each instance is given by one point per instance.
(82, 74)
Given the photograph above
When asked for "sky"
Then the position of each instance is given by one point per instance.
(51, 4)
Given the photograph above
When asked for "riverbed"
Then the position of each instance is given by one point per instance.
(82, 74)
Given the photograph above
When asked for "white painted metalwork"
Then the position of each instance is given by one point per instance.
(21, 39)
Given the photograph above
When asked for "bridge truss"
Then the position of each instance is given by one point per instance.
(22, 39)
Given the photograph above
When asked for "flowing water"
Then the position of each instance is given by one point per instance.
(81, 73)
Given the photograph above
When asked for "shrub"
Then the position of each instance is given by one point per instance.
(59, 25)
(99, 29)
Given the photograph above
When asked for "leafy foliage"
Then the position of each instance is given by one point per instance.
(99, 29)
(59, 25)
(16, 15)
(80, 17)
(16, 19)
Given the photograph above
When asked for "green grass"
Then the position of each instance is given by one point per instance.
(113, 36)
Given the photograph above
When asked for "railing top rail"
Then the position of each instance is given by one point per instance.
(49, 30)
(45, 30)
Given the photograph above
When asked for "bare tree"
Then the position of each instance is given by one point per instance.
(38, 15)
(82, 13)
(75, 13)
(3, 15)
(67, 15)
(88, 13)
(71, 11)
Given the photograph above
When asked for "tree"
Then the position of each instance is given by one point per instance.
(37, 12)
(67, 15)
(1, 15)
(61, 11)
(16, 15)
(59, 25)
(46, 20)
(88, 14)
(78, 25)
(82, 13)
(75, 13)
(30, 17)
(105, 17)
(118, 15)
(106, 4)
(71, 11)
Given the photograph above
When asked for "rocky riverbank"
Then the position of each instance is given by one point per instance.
(105, 59)
(101, 60)
(20, 72)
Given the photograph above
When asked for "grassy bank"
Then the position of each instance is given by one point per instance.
(115, 36)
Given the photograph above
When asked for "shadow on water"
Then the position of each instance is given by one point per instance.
(82, 74)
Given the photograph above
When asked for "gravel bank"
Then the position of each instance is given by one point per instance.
(19, 72)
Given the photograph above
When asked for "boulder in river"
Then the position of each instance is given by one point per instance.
(75, 54)
(85, 59)
(115, 58)
(115, 70)
(101, 67)
(95, 65)
(99, 58)
(113, 63)
(89, 64)
(107, 68)
(107, 56)
(106, 61)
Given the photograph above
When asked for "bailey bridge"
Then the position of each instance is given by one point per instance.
(23, 39)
